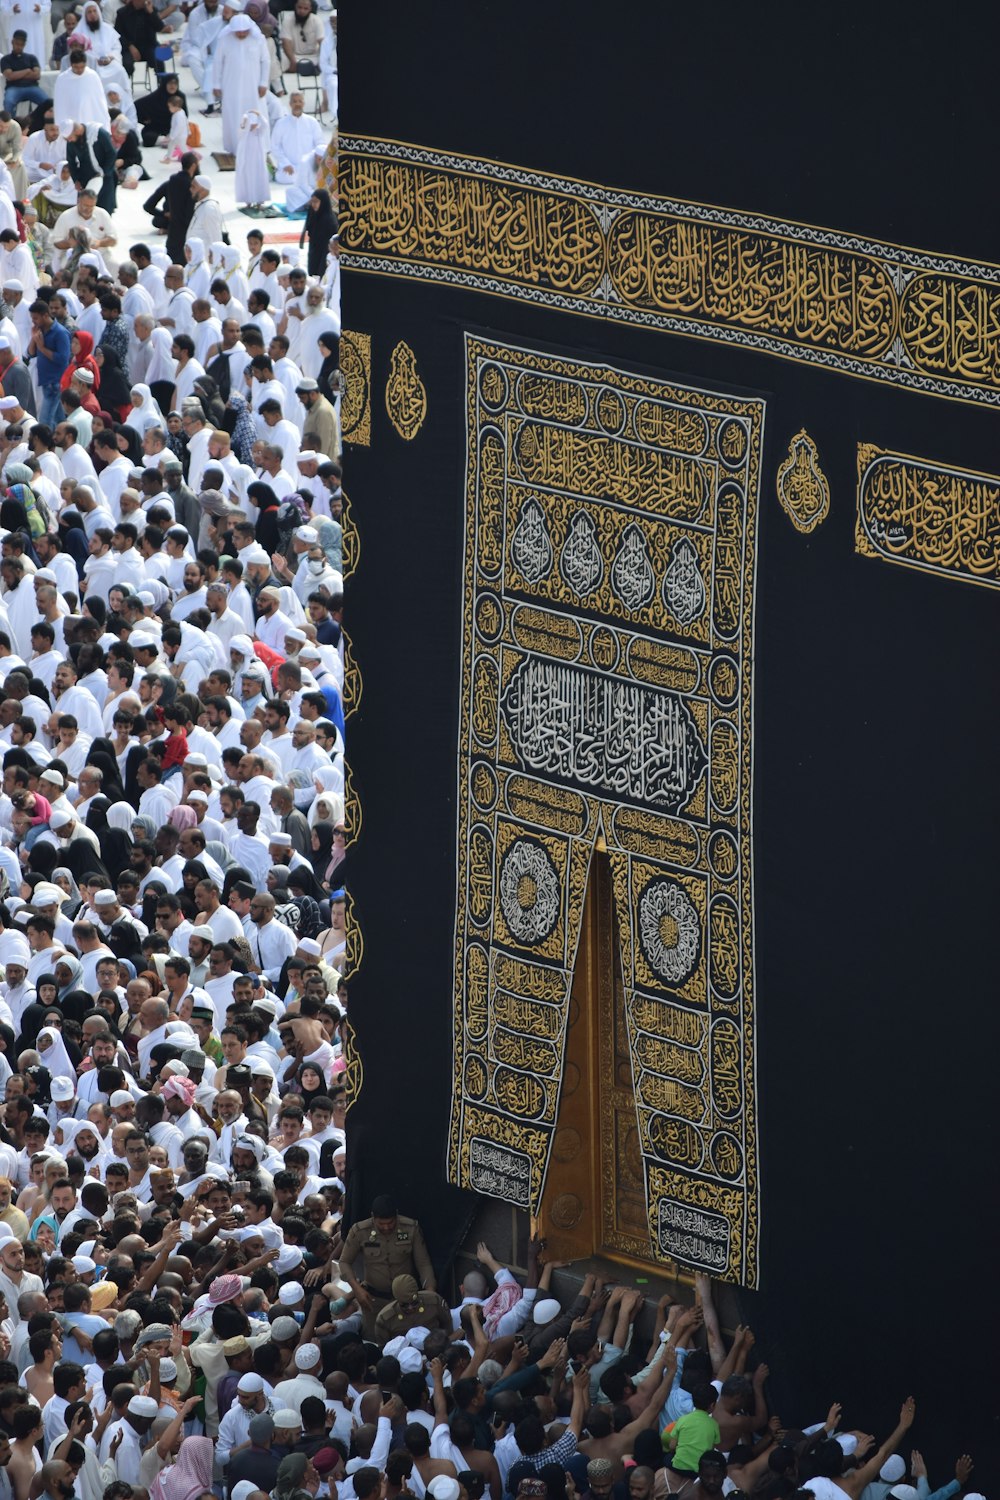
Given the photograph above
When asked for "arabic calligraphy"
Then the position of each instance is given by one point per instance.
(926, 515)
(405, 394)
(869, 309)
(630, 742)
(356, 373)
(802, 486)
(607, 634)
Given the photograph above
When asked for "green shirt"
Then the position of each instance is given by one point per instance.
(693, 1434)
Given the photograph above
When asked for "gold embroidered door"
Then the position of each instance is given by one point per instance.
(594, 1200)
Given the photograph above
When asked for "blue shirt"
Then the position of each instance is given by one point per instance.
(90, 1323)
(51, 368)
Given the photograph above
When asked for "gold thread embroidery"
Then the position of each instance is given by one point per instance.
(866, 308)
(355, 405)
(928, 516)
(405, 394)
(803, 488)
(606, 637)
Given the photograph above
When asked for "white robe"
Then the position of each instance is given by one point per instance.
(297, 146)
(81, 98)
(29, 16)
(252, 183)
(242, 68)
(311, 356)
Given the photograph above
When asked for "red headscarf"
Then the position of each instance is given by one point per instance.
(83, 361)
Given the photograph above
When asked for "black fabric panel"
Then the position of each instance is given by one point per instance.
(876, 798)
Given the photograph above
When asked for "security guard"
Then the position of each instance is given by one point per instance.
(411, 1308)
(390, 1245)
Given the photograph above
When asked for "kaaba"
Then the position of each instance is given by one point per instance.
(672, 399)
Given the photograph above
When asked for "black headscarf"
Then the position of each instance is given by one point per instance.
(319, 228)
(134, 450)
(73, 538)
(267, 502)
(115, 389)
(331, 362)
(115, 842)
(101, 756)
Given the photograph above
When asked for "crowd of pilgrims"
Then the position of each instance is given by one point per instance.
(183, 1311)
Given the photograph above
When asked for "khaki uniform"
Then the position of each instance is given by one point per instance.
(431, 1311)
(402, 1252)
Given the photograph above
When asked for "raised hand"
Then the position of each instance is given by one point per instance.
(963, 1468)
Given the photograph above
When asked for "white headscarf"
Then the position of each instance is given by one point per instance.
(137, 416)
(162, 365)
(56, 1058)
(197, 272)
(121, 816)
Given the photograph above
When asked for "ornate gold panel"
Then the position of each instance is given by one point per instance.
(928, 516)
(860, 307)
(607, 639)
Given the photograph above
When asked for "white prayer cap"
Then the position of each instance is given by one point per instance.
(168, 1370)
(394, 1347)
(848, 1442)
(105, 898)
(83, 1265)
(120, 1097)
(310, 946)
(411, 1361)
(143, 1406)
(68, 127)
(443, 1487)
(310, 653)
(143, 642)
(288, 1259)
(7, 403)
(87, 376)
(893, 1469)
(307, 1355)
(259, 1068)
(250, 1384)
(196, 759)
(415, 1337)
(62, 1090)
(307, 457)
(291, 1292)
(60, 819)
(282, 840)
(56, 780)
(197, 796)
(903, 1491)
(13, 285)
(295, 634)
(306, 534)
(286, 1417)
(203, 182)
(254, 554)
(545, 1310)
(45, 575)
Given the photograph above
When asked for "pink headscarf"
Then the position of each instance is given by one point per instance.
(183, 817)
(224, 1289)
(177, 1087)
(190, 1475)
